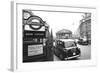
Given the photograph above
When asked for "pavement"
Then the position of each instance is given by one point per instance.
(56, 58)
(85, 53)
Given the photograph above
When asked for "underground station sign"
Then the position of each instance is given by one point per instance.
(34, 39)
(35, 50)
(34, 34)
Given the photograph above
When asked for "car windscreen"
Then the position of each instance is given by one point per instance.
(69, 44)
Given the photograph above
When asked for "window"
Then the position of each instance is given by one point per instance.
(69, 44)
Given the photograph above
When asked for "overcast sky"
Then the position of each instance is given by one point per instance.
(59, 20)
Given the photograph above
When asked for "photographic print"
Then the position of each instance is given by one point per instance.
(54, 34)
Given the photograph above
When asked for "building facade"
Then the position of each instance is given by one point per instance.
(64, 34)
(85, 27)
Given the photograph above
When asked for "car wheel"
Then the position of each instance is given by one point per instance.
(61, 57)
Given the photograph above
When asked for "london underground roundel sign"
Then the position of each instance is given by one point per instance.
(35, 22)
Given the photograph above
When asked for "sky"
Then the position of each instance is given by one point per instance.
(60, 20)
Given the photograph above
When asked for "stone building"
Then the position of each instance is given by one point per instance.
(85, 27)
(64, 34)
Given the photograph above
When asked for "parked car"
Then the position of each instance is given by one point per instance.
(76, 40)
(66, 49)
(83, 42)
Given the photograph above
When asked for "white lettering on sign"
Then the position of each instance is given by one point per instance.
(35, 50)
(28, 28)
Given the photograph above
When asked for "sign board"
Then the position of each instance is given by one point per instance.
(35, 50)
(34, 34)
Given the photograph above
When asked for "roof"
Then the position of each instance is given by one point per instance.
(66, 40)
(64, 31)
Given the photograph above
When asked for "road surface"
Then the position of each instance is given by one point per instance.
(85, 53)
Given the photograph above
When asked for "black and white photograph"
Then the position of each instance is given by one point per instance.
(56, 35)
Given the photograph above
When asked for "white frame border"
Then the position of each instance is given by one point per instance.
(16, 66)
